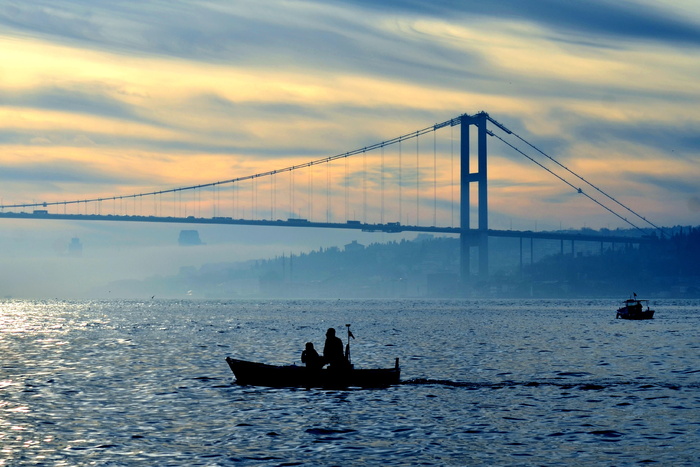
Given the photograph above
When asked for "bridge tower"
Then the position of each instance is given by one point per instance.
(473, 237)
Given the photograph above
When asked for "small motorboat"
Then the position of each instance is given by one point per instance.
(262, 374)
(634, 308)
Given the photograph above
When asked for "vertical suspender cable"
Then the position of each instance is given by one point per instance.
(382, 188)
(452, 177)
(434, 178)
(272, 197)
(236, 198)
(417, 183)
(400, 185)
(328, 191)
(311, 192)
(364, 186)
(347, 185)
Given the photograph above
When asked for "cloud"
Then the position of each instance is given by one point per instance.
(682, 185)
(195, 29)
(311, 38)
(101, 141)
(675, 141)
(92, 101)
(64, 171)
(694, 204)
(614, 19)
(349, 36)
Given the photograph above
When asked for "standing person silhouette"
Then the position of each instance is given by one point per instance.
(333, 350)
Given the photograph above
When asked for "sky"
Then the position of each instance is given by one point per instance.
(116, 98)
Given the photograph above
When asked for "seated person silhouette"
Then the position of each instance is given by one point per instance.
(311, 358)
(333, 353)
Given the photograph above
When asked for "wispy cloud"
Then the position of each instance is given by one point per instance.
(609, 18)
(82, 100)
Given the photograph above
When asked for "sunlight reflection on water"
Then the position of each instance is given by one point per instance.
(484, 382)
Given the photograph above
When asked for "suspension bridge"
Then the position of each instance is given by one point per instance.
(416, 182)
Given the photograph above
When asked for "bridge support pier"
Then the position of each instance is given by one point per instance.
(473, 237)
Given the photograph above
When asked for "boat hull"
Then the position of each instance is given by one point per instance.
(261, 374)
(623, 313)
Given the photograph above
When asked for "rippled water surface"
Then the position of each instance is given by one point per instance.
(528, 382)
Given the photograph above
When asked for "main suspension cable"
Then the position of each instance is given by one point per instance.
(587, 182)
(578, 190)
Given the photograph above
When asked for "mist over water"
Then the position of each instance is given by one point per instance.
(38, 263)
(484, 382)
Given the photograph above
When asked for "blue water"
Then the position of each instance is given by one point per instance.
(485, 382)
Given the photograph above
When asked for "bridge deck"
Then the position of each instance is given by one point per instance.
(390, 227)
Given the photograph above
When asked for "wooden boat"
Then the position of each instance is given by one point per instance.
(634, 309)
(261, 374)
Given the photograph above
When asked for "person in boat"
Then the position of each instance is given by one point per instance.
(333, 353)
(311, 358)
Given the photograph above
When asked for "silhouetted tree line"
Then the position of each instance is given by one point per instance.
(669, 265)
(379, 269)
(430, 266)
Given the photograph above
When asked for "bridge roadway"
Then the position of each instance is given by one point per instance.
(390, 227)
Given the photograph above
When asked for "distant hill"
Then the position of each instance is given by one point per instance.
(429, 267)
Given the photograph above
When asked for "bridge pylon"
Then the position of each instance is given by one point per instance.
(473, 237)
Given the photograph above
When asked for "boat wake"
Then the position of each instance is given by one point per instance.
(583, 386)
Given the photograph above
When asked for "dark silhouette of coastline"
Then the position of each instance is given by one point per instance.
(428, 267)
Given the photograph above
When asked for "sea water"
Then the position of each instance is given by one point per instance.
(484, 382)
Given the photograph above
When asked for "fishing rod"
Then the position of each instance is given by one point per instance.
(347, 346)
